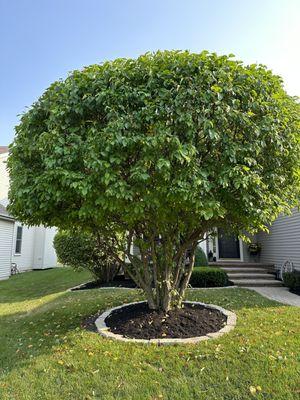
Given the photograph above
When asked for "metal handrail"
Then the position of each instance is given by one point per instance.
(287, 266)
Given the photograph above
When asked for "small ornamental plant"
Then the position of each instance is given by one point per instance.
(164, 149)
(254, 248)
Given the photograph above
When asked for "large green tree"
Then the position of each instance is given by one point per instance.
(164, 147)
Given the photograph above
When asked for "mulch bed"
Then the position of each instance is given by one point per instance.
(139, 322)
(89, 322)
(117, 282)
(295, 291)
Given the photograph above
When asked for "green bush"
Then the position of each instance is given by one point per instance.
(292, 279)
(200, 258)
(208, 277)
(86, 250)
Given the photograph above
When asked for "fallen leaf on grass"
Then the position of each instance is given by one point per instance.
(95, 372)
(252, 389)
(255, 389)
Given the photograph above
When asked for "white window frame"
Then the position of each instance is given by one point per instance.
(19, 240)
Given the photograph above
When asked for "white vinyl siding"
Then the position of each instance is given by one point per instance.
(50, 258)
(44, 254)
(37, 250)
(6, 240)
(24, 260)
(283, 241)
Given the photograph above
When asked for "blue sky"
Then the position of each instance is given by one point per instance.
(42, 40)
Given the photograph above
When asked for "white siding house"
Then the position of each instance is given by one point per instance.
(6, 241)
(36, 250)
(28, 247)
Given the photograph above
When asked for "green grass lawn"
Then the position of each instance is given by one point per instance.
(45, 354)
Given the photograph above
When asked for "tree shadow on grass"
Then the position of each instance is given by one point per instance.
(30, 334)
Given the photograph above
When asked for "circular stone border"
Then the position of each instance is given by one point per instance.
(104, 330)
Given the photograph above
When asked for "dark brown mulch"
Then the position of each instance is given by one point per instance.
(295, 291)
(89, 322)
(117, 282)
(139, 322)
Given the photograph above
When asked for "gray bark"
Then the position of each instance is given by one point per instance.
(161, 270)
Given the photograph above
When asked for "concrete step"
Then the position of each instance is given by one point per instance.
(256, 282)
(250, 276)
(230, 270)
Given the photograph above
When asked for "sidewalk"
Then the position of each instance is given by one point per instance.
(280, 294)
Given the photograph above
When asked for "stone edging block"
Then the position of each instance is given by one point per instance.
(104, 330)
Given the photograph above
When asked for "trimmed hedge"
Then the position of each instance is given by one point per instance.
(292, 279)
(200, 258)
(208, 277)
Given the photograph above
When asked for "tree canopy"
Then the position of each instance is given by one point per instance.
(170, 144)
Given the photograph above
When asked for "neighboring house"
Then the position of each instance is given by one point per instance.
(6, 242)
(281, 244)
(28, 247)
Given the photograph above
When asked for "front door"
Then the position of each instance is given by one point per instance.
(229, 245)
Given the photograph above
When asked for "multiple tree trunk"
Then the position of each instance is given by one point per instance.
(162, 268)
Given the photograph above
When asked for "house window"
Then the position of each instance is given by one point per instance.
(19, 240)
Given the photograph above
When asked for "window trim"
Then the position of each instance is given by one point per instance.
(19, 240)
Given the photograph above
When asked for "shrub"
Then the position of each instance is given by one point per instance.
(292, 279)
(208, 277)
(86, 250)
(200, 258)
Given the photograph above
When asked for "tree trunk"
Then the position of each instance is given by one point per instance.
(163, 273)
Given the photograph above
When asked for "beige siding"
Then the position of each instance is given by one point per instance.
(6, 237)
(283, 241)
